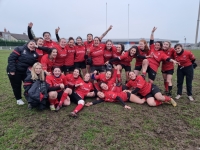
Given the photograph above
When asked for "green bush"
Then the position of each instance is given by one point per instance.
(11, 43)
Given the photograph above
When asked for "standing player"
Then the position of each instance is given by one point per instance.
(185, 69)
(168, 68)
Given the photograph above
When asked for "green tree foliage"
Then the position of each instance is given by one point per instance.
(11, 43)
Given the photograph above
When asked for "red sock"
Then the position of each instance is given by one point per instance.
(157, 102)
(144, 73)
(63, 98)
(78, 108)
(119, 78)
(166, 85)
(167, 98)
(53, 101)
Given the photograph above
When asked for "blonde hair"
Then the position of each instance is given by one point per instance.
(34, 75)
(168, 43)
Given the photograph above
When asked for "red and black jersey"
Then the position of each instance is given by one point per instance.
(125, 59)
(55, 81)
(61, 55)
(40, 54)
(69, 60)
(80, 51)
(139, 60)
(97, 54)
(84, 89)
(116, 54)
(49, 44)
(184, 58)
(71, 81)
(168, 65)
(111, 96)
(47, 63)
(143, 85)
(108, 54)
(88, 45)
(157, 57)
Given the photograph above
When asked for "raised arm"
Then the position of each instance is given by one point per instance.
(31, 34)
(152, 35)
(104, 34)
(57, 36)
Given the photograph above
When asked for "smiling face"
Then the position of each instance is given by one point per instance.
(178, 49)
(57, 72)
(38, 69)
(47, 37)
(157, 46)
(119, 48)
(31, 45)
(63, 43)
(132, 75)
(108, 45)
(96, 41)
(89, 38)
(54, 53)
(108, 74)
(100, 95)
(132, 51)
(79, 41)
(71, 43)
(76, 73)
(141, 45)
(87, 77)
(166, 45)
(40, 42)
(104, 86)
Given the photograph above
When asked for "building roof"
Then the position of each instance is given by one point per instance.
(23, 37)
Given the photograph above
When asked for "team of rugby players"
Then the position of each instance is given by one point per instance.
(75, 69)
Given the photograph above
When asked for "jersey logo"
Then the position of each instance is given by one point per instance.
(24, 52)
(34, 55)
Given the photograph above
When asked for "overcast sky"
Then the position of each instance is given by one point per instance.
(175, 19)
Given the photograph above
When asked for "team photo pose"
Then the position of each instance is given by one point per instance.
(168, 68)
(185, 68)
(57, 89)
(147, 90)
(110, 96)
(35, 88)
(151, 64)
(19, 60)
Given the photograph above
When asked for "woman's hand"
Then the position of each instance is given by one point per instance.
(127, 91)
(127, 107)
(62, 86)
(57, 30)
(88, 104)
(47, 73)
(95, 72)
(154, 29)
(106, 62)
(12, 73)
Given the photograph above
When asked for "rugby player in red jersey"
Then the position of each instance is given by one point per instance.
(168, 68)
(57, 96)
(185, 69)
(110, 96)
(148, 90)
(151, 64)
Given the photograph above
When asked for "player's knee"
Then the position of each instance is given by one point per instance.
(82, 102)
(53, 95)
(151, 102)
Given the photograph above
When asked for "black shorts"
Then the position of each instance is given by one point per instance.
(138, 68)
(97, 68)
(68, 68)
(81, 65)
(128, 96)
(126, 68)
(168, 72)
(59, 95)
(151, 73)
(154, 90)
(74, 97)
(62, 68)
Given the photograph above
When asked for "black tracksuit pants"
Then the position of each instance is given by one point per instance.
(187, 72)
(16, 83)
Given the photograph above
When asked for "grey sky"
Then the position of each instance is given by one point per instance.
(174, 18)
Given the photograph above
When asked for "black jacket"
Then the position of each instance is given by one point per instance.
(20, 59)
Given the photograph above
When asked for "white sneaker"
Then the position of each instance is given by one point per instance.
(191, 98)
(20, 102)
(178, 97)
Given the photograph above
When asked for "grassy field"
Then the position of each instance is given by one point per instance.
(106, 126)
